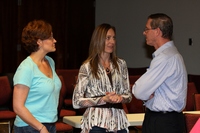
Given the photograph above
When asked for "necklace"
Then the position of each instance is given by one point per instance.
(107, 67)
(107, 70)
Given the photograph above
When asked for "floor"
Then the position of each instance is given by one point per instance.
(4, 129)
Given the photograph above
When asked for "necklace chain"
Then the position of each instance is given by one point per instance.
(107, 68)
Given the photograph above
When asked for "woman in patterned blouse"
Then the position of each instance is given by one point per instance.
(103, 85)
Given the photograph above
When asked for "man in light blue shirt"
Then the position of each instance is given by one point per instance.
(163, 87)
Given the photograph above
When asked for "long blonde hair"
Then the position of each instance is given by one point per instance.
(97, 46)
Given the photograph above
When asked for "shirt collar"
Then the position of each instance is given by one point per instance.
(163, 47)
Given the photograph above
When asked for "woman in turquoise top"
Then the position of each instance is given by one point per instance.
(36, 84)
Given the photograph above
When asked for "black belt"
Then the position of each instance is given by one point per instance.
(110, 105)
(161, 112)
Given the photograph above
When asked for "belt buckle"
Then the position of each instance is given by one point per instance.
(165, 112)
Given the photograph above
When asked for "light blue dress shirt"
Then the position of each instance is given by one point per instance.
(166, 79)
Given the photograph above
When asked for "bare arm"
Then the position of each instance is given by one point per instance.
(19, 97)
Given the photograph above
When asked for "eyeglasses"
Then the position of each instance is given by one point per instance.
(146, 29)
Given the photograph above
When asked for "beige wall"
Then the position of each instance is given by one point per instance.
(129, 18)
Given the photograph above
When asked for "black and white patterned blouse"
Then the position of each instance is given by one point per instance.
(89, 91)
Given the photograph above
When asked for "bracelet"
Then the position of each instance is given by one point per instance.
(41, 128)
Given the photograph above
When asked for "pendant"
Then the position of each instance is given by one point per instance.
(107, 70)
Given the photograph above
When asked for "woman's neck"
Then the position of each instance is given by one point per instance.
(105, 61)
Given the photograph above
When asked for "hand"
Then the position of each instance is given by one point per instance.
(116, 99)
(106, 98)
(44, 130)
(151, 96)
(112, 97)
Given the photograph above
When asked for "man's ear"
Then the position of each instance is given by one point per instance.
(158, 32)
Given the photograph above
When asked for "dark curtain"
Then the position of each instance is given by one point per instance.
(81, 26)
(72, 21)
(8, 35)
(54, 12)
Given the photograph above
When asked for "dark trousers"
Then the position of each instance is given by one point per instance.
(28, 129)
(159, 122)
(96, 129)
